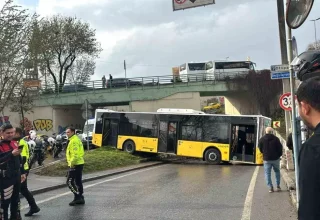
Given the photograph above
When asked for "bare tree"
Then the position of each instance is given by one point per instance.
(314, 46)
(81, 71)
(60, 41)
(15, 29)
(23, 102)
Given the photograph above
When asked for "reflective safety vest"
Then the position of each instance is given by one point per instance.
(75, 151)
(25, 153)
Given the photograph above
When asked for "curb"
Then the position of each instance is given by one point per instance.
(63, 185)
(291, 187)
(289, 182)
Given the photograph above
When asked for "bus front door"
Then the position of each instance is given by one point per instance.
(114, 127)
(163, 137)
(106, 133)
(172, 137)
(167, 137)
(110, 132)
(242, 143)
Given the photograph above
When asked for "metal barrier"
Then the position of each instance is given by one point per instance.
(287, 159)
(139, 82)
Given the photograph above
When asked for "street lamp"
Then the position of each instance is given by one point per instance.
(315, 33)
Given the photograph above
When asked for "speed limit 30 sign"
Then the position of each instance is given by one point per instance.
(286, 102)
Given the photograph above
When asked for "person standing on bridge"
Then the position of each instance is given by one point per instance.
(309, 156)
(24, 186)
(74, 154)
(104, 81)
(271, 148)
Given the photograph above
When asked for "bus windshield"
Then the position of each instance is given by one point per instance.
(197, 66)
(234, 65)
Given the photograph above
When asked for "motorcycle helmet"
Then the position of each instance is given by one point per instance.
(31, 144)
(51, 140)
(33, 134)
(59, 137)
(307, 65)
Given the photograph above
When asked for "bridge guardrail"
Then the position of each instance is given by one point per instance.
(138, 82)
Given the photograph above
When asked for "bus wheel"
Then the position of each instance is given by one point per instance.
(129, 147)
(213, 156)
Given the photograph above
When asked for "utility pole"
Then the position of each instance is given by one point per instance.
(284, 55)
(125, 68)
(315, 33)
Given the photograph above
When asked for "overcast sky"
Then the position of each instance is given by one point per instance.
(152, 38)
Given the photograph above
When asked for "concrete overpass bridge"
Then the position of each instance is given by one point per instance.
(142, 89)
(62, 107)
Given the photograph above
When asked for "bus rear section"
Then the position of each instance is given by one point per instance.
(213, 138)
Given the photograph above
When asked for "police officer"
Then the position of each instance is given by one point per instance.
(24, 186)
(1, 133)
(307, 66)
(11, 174)
(74, 154)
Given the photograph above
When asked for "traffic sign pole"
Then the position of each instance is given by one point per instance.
(294, 115)
(87, 125)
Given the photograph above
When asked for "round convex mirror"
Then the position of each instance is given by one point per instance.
(297, 12)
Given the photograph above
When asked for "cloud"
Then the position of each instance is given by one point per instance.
(152, 38)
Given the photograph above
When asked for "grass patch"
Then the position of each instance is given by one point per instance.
(95, 160)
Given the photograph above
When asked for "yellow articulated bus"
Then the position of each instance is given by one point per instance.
(214, 138)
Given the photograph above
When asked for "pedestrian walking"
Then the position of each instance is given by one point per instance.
(24, 186)
(271, 148)
(309, 157)
(12, 173)
(104, 81)
(74, 154)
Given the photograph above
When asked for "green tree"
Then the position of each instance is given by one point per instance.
(58, 42)
(15, 29)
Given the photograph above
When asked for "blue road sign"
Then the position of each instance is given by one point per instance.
(281, 75)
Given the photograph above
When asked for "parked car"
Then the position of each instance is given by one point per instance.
(122, 82)
(74, 88)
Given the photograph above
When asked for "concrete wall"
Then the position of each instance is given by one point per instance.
(47, 120)
(190, 100)
(240, 104)
(64, 117)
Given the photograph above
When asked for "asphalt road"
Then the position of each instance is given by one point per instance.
(172, 191)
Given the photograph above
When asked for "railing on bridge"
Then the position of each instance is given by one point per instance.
(137, 82)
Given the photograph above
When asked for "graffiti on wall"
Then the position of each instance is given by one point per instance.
(27, 124)
(43, 124)
(4, 120)
(63, 128)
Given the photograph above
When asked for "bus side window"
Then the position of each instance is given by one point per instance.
(99, 126)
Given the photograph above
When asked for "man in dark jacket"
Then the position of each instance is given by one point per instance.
(308, 96)
(12, 173)
(271, 148)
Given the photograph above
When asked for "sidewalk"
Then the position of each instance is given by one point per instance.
(41, 184)
(288, 177)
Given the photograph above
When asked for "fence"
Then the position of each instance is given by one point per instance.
(287, 158)
(139, 82)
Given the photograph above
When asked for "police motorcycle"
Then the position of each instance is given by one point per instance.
(49, 143)
(36, 149)
(61, 142)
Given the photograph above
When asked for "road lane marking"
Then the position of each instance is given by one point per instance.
(246, 214)
(91, 185)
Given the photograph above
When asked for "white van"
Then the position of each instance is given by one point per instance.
(88, 127)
